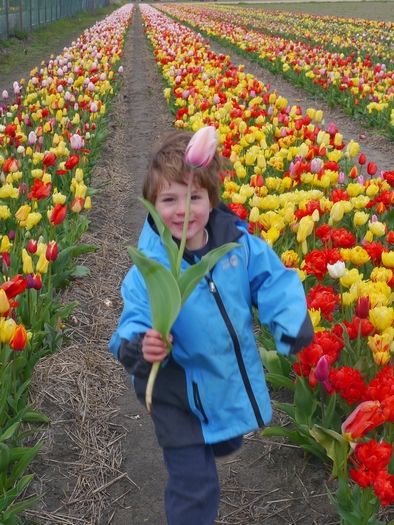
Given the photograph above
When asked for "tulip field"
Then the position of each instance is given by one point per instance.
(316, 198)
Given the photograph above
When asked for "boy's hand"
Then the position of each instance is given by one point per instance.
(154, 349)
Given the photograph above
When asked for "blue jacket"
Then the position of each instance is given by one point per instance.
(212, 386)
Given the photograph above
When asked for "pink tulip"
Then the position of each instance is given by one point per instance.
(201, 148)
(4, 94)
(76, 141)
(316, 165)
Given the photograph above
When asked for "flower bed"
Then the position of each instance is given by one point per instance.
(358, 83)
(327, 212)
(49, 134)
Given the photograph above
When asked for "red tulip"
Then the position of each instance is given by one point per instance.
(52, 251)
(371, 168)
(362, 159)
(363, 306)
(71, 162)
(49, 159)
(32, 246)
(58, 214)
(367, 416)
(14, 286)
(10, 165)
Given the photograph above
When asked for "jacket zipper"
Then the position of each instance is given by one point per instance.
(197, 401)
(237, 349)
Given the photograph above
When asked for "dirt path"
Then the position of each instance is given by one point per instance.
(101, 464)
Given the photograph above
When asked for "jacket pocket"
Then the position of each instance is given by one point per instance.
(198, 403)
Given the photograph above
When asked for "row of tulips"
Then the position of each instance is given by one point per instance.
(50, 129)
(354, 82)
(327, 212)
(347, 35)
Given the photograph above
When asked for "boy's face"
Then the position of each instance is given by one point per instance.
(170, 203)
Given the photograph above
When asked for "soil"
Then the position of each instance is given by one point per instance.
(100, 463)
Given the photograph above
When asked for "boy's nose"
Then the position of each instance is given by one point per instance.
(181, 207)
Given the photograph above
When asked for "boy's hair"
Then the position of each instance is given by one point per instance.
(168, 165)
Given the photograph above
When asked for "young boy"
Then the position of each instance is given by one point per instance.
(210, 390)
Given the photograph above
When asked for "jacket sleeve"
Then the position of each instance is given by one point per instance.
(135, 318)
(278, 294)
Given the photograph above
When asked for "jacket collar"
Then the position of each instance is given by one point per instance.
(222, 227)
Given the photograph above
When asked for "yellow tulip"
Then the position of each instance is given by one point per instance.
(301, 274)
(368, 237)
(5, 212)
(315, 316)
(7, 329)
(254, 214)
(58, 198)
(354, 189)
(381, 317)
(5, 244)
(4, 304)
(351, 277)
(42, 264)
(360, 218)
(88, 203)
(388, 259)
(22, 213)
(380, 274)
(337, 212)
(271, 235)
(32, 220)
(27, 262)
(352, 149)
(348, 298)
(359, 256)
(290, 258)
(377, 228)
(305, 228)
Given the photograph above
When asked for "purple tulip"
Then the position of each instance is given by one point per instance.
(201, 148)
(322, 373)
(322, 369)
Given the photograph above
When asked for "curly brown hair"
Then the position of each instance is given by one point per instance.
(168, 165)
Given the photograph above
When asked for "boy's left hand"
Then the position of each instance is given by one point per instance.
(154, 349)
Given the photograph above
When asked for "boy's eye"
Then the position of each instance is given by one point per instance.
(196, 197)
(167, 199)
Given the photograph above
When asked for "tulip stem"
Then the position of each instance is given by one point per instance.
(185, 223)
(151, 383)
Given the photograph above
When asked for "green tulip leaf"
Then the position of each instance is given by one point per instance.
(336, 446)
(280, 381)
(165, 235)
(275, 363)
(192, 275)
(304, 401)
(9, 432)
(163, 291)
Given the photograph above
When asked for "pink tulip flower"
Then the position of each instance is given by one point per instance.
(201, 148)
(76, 141)
(4, 94)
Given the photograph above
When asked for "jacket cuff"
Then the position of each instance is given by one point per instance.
(304, 337)
(131, 357)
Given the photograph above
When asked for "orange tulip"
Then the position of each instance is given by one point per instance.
(19, 339)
